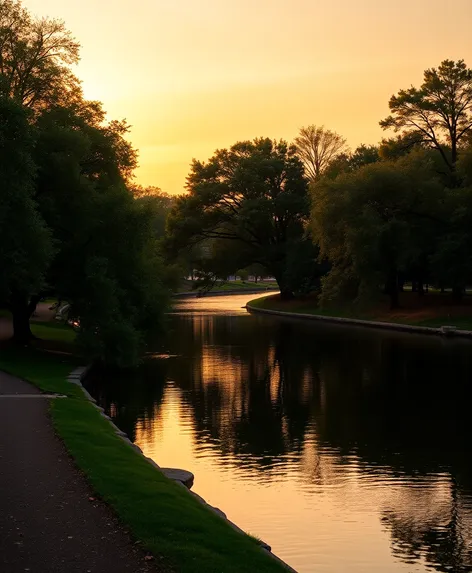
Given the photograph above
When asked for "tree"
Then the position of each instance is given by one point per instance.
(161, 204)
(364, 155)
(375, 223)
(440, 111)
(393, 148)
(254, 194)
(25, 242)
(107, 263)
(71, 227)
(348, 162)
(257, 271)
(317, 147)
(35, 58)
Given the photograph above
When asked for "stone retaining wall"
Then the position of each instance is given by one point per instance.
(77, 376)
(443, 330)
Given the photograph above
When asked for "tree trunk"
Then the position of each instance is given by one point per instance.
(420, 288)
(286, 294)
(21, 310)
(414, 286)
(453, 154)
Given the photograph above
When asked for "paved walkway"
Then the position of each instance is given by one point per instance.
(49, 520)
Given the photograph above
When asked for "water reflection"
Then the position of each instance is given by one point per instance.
(314, 437)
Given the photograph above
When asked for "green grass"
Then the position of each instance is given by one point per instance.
(54, 331)
(166, 518)
(239, 285)
(462, 323)
(47, 372)
(272, 302)
(233, 286)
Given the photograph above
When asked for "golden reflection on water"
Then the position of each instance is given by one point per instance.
(315, 493)
(301, 441)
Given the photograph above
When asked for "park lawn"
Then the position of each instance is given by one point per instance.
(239, 285)
(54, 331)
(433, 310)
(183, 535)
(186, 286)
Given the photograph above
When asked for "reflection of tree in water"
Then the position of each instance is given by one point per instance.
(264, 393)
(131, 398)
(388, 403)
(246, 399)
(443, 539)
(409, 421)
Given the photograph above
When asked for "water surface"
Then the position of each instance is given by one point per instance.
(345, 449)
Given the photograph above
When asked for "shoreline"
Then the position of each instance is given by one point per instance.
(177, 526)
(195, 294)
(77, 376)
(445, 330)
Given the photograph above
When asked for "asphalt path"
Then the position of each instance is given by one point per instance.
(50, 520)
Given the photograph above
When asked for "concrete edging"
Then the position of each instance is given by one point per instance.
(442, 331)
(77, 376)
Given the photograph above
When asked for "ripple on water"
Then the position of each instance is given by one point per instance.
(344, 449)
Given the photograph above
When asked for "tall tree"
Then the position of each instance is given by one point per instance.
(317, 147)
(393, 148)
(107, 263)
(35, 58)
(375, 223)
(254, 193)
(25, 242)
(440, 111)
(69, 224)
(348, 162)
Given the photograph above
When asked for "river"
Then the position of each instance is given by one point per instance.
(345, 449)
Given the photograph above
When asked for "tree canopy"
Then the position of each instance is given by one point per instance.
(35, 58)
(439, 112)
(318, 147)
(254, 194)
(71, 225)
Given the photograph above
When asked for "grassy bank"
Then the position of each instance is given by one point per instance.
(182, 534)
(433, 310)
(188, 286)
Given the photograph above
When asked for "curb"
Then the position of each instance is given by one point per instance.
(448, 331)
(77, 376)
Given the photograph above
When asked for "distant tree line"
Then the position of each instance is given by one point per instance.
(347, 224)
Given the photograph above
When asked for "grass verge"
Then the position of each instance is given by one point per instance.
(187, 286)
(167, 519)
(429, 316)
(54, 331)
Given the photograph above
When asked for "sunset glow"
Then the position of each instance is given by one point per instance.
(191, 77)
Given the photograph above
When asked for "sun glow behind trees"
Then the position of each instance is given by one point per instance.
(193, 77)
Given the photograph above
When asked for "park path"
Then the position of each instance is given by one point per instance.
(49, 519)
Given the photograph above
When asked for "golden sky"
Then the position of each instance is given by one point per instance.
(192, 76)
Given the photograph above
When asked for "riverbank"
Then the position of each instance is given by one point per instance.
(198, 294)
(429, 319)
(180, 533)
(49, 516)
(189, 288)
